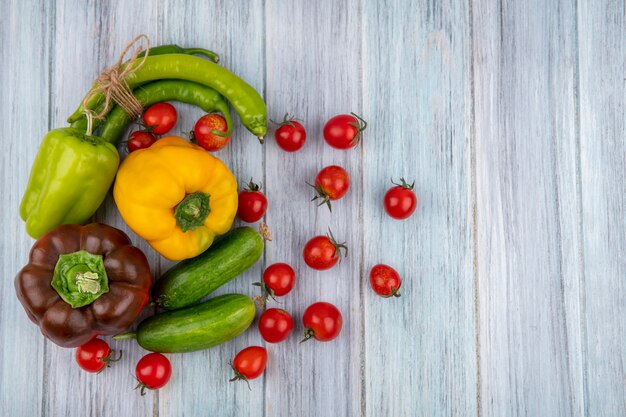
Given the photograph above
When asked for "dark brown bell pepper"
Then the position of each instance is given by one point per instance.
(83, 281)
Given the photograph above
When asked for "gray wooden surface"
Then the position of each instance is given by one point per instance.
(509, 115)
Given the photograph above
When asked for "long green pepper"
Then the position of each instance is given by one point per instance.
(244, 99)
(188, 92)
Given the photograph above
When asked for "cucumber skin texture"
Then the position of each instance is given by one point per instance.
(193, 279)
(197, 327)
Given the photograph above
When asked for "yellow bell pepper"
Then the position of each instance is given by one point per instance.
(176, 196)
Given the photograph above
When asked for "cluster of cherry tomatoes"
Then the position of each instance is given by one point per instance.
(160, 118)
(152, 371)
(322, 321)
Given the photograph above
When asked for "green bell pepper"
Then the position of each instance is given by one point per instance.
(69, 180)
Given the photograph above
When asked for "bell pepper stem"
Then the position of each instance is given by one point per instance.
(192, 211)
(80, 278)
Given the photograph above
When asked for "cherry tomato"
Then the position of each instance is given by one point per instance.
(249, 363)
(153, 371)
(275, 325)
(290, 135)
(140, 140)
(344, 131)
(400, 201)
(331, 183)
(204, 132)
(385, 280)
(278, 280)
(322, 321)
(160, 118)
(94, 355)
(252, 203)
(323, 252)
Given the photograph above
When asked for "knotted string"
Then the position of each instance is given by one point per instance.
(112, 84)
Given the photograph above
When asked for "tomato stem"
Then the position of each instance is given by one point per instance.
(266, 292)
(252, 186)
(320, 193)
(404, 184)
(143, 388)
(338, 246)
(238, 376)
(110, 358)
(395, 292)
(360, 126)
(308, 334)
(287, 121)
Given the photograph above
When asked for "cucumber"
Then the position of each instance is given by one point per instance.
(197, 327)
(192, 279)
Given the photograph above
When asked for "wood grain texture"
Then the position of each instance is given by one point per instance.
(25, 83)
(420, 356)
(527, 208)
(602, 61)
(510, 117)
(313, 73)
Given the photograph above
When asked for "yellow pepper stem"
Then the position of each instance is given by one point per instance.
(192, 211)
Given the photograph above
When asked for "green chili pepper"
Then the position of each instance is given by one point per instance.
(69, 179)
(175, 49)
(188, 92)
(245, 100)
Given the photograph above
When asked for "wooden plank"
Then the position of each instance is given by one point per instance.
(313, 72)
(527, 208)
(25, 45)
(420, 349)
(602, 60)
(89, 37)
(199, 383)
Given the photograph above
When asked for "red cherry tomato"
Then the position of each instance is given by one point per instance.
(400, 201)
(94, 355)
(323, 252)
(204, 132)
(278, 280)
(344, 131)
(140, 140)
(322, 321)
(331, 183)
(153, 371)
(290, 135)
(275, 325)
(160, 118)
(385, 280)
(252, 203)
(249, 363)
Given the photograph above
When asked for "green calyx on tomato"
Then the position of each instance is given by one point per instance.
(80, 278)
(360, 126)
(287, 120)
(192, 211)
(338, 246)
(320, 194)
(404, 184)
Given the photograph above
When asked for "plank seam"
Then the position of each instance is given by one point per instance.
(51, 77)
(264, 165)
(362, 286)
(581, 247)
(474, 206)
